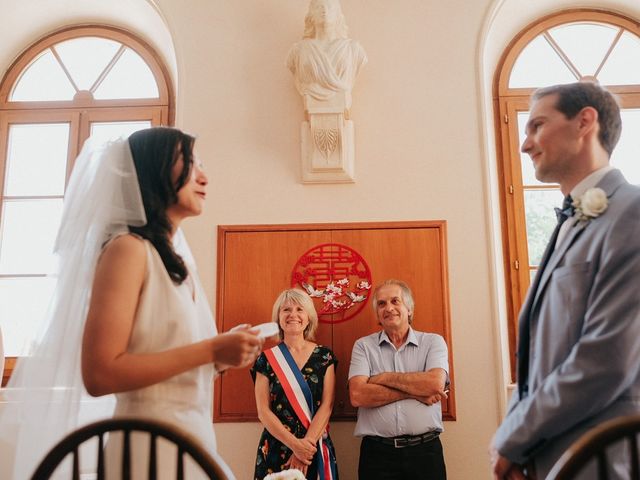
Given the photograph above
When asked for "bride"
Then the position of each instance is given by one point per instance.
(149, 336)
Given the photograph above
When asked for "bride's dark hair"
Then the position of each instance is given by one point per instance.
(155, 151)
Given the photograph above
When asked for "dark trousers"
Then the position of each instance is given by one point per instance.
(385, 462)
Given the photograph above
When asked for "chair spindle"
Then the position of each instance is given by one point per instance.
(126, 455)
(153, 455)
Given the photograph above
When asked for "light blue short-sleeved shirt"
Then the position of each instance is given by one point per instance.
(376, 354)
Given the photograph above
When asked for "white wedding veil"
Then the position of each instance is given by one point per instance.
(45, 398)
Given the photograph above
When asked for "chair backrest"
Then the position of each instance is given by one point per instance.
(185, 443)
(593, 446)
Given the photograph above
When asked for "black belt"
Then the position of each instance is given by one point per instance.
(405, 440)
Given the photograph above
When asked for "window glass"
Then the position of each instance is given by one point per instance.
(87, 61)
(623, 65)
(538, 66)
(24, 303)
(31, 87)
(541, 220)
(37, 159)
(85, 69)
(130, 77)
(28, 232)
(585, 44)
(625, 155)
(105, 131)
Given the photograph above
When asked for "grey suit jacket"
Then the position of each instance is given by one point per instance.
(584, 361)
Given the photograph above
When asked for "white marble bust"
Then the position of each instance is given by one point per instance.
(325, 62)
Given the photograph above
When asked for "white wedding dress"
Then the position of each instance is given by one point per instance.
(168, 316)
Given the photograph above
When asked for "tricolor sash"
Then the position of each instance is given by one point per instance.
(299, 395)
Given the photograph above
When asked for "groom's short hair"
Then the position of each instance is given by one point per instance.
(573, 97)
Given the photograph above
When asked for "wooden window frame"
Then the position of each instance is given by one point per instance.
(507, 102)
(148, 54)
(81, 112)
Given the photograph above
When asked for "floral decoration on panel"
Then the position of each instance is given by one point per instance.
(335, 292)
(336, 277)
(591, 204)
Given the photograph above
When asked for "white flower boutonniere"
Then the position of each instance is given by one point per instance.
(291, 474)
(591, 204)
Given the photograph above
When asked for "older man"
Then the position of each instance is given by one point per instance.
(397, 379)
(578, 348)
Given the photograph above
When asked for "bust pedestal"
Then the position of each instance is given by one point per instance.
(327, 140)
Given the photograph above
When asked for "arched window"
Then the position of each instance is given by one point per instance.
(562, 48)
(80, 81)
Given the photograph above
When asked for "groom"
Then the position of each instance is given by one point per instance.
(578, 348)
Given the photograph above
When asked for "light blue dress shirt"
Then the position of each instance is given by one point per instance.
(376, 354)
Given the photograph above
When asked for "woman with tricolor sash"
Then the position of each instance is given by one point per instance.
(294, 388)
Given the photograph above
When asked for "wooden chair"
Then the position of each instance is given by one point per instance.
(186, 445)
(592, 446)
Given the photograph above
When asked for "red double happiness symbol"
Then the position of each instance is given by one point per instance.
(337, 278)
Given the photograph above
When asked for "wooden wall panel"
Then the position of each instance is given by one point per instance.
(255, 267)
(414, 255)
(255, 263)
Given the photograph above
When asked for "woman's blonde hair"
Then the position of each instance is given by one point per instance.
(299, 297)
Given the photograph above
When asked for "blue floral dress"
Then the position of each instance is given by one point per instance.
(272, 453)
